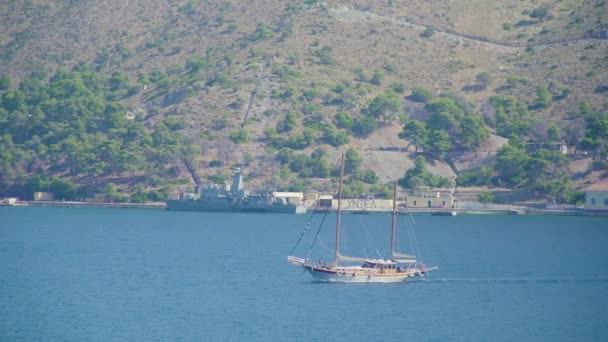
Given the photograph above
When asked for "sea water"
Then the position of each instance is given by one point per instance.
(150, 275)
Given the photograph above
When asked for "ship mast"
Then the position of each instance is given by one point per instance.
(394, 223)
(337, 247)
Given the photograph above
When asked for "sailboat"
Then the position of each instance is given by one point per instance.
(348, 269)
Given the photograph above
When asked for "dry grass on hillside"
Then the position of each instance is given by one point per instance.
(471, 37)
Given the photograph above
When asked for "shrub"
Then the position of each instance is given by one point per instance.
(486, 197)
(484, 78)
(377, 78)
(420, 94)
(5, 82)
(365, 126)
(261, 32)
(398, 88)
(541, 12)
(385, 104)
(240, 136)
(420, 176)
(218, 178)
(324, 55)
(344, 120)
(428, 32)
(483, 176)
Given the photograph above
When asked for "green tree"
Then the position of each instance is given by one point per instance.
(370, 177)
(110, 191)
(344, 120)
(262, 32)
(288, 123)
(13, 100)
(545, 171)
(386, 104)
(554, 134)
(5, 82)
(299, 162)
(240, 136)
(511, 161)
(353, 190)
(72, 125)
(584, 108)
(334, 137)
(62, 188)
(482, 176)
(421, 94)
(415, 131)
(438, 143)
(543, 97)
(365, 126)
(511, 117)
(444, 114)
(419, 176)
(325, 55)
(320, 168)
(596, 133)
(36, 183)
(486, 197)
(473, 132)
(352, 161)
(382, 191)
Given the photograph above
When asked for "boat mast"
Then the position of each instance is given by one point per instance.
(394, 223)
(337, 247)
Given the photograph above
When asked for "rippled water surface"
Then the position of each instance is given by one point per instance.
(141, 275)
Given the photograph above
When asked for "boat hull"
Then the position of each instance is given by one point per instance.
(322, 275)
(357, 274)
(336, 278)
(217, 206)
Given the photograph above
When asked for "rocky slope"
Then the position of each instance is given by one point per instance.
(256, 50)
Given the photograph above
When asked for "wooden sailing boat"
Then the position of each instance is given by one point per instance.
(397, 268)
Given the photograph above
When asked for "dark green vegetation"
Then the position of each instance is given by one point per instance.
(450, 124)
(539, 166)
(74, 127)
(178, 92)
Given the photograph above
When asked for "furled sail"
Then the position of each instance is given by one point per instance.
(404, 258)
(350, 258)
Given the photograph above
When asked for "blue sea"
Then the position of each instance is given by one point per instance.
(154, 275)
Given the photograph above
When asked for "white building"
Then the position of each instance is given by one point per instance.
(43, 196)
(291, 197)
(596, 196)
(424, 197)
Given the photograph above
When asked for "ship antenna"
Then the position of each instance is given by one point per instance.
(337, 247)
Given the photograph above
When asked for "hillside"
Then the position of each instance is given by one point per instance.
(265, 85)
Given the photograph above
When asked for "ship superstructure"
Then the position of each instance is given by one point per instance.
(233, 198)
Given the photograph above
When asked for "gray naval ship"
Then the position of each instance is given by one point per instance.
(233, 198)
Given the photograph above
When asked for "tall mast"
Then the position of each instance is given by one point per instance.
(337, 247)
(394, 223)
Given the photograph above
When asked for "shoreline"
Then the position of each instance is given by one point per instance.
(73, 204)
(484, 211)
(515, 210)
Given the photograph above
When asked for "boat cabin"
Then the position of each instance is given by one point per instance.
(380, 264)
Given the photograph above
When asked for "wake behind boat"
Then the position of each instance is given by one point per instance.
(397, 268)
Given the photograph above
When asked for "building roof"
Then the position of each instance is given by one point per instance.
(288, 194)
(599, 186)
